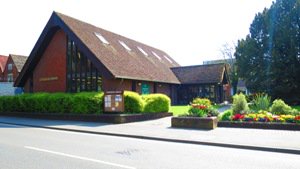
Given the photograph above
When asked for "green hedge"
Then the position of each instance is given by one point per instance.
(156, 103)
(82, 103)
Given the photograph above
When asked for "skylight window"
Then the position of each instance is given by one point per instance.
(168, 59)
(124, 45)
(145, 53)
(101, 38)
(156, 55)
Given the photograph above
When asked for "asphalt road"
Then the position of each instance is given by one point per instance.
(35, 148)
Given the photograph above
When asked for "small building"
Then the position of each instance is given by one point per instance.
(74, 56)
(205, 81)
(13, 67)
(3, 60)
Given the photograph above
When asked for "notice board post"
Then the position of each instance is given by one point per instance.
(114, 101)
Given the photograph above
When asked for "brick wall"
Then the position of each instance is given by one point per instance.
(116, 84)
(50, 73)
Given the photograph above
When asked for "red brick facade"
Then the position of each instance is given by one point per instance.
(10, 70)
(116, 84)
(3, 60)
(50, 73)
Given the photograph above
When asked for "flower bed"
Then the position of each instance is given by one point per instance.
(261, 114)
(201, 115)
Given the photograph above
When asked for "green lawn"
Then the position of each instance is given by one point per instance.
(181, 110)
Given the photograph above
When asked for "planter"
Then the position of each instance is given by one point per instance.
(195, 122)
(107, 118)
(259, 125)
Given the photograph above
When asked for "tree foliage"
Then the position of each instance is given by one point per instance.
(268, 59)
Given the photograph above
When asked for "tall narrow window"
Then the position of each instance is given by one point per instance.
(9, 67)
(82, 75)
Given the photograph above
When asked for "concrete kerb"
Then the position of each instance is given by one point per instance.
(246, 147)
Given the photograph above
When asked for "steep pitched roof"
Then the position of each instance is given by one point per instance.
(141, 62)
(19, 61)
(201, 74)
(3, 60)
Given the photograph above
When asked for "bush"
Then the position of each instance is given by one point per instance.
(239, 104)
(155, 103)
(81, 103)
(9, 103)
(53, 103)
(86, 103)
(226, 115)
(261, 102)
(202, 101)
(279, 107)
(133, 102)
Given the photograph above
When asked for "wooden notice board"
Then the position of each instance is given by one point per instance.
(114, 101)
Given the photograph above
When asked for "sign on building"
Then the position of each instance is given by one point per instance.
(114, 101)
(145, 88)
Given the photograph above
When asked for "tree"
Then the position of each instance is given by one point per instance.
(268, 59)
(228, 55)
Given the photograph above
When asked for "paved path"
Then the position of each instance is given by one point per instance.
(274, 139)
(224, 108)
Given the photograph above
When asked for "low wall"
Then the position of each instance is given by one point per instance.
(260, 125)
(195, 122)
(106, 118)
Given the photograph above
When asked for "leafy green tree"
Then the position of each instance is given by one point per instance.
(268, 59)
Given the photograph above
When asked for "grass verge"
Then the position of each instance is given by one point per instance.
(183, 109)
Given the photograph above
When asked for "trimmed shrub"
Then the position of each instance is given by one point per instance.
(87, 103)
(83, 103)
(155, 103)
(279, 107)
(9, 103)
(202, 101)
(133, 102)
(239, 104)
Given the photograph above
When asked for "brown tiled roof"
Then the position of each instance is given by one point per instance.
(200, 74)
(19, 61)
(3, 60)
(119, 61)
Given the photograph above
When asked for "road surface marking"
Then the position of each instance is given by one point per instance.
(78, 157)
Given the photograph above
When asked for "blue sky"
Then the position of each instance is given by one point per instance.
(190, 31)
